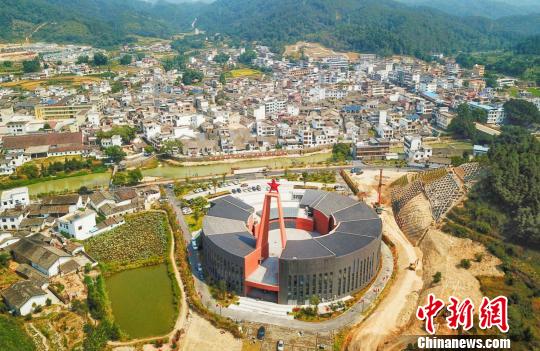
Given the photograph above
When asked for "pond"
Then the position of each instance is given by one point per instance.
(141, 301)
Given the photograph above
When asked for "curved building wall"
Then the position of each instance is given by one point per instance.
(329, 278)
(220, 264)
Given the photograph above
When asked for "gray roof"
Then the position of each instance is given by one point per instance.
(19, 293)
(238, 244)
(304, 249)
(217, 225)
(229, 207)
(370, 227)
(332, 203)
(42, 255)
(357, 225)
(353, 213)
(310, 197)
(288, 212)
(342, 244)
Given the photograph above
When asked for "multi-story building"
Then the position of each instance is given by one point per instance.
(495, 114)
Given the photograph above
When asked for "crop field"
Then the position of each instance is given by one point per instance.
(71, 81)
(142, 240)
(243, 72)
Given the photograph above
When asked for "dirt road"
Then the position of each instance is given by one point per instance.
(395, 309)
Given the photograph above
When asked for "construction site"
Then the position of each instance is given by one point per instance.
(412, 206)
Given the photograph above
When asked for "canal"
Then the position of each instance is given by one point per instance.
(176, 172)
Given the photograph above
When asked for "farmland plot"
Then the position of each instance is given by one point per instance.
(141, 241)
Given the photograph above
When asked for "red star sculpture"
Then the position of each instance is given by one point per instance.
(274, 186)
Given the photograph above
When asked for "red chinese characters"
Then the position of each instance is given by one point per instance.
(429, 312)
(494, 313)
(461, 313)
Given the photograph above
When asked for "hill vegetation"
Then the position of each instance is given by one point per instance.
(381, 26)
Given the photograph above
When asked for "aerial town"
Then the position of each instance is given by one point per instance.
(234, 198)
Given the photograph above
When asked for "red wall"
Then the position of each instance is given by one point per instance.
(321, 222)
(304, 224)
(251, 262)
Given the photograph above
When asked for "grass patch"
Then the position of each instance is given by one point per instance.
(534, 91)
(13, 336)
(141, 241)
(194, 222)
(8, 277)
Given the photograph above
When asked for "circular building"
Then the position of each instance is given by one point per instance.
(313, 243)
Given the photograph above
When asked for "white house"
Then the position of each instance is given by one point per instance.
(115, 140)
(79, 225)
(14, 197)
(23, 297)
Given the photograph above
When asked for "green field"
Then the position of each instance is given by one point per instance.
(142, 301)
(13, 337)
(142, 240)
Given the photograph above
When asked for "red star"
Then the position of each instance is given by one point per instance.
(274, 186)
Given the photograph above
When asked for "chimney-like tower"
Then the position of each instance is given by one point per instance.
(264, 226)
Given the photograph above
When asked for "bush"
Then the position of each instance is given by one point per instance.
(465, 263)
(437, 277)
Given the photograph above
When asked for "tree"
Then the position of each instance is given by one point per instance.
(305, 176)
(148, 149)
(222, 288)
(171, 147)
(247, 57)
(7, 64)
(29, 170)
(437, 277)
(341, 152)
(100, 59)
(191, 76)
(31, 66)
(4, 259)
(126, 60)
(314, 301)
(115, 153)
(221, 58)
(82, 59)
(521, 112)
(222, 79)
(134, 176)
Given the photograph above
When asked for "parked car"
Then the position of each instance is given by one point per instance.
(280, 345)
(259, 188)
(195, 247)
(233, 191)
(261, 332)
(199, 269)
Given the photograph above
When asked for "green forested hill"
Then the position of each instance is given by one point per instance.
(99, 22)
(381, 26)
(365, 25)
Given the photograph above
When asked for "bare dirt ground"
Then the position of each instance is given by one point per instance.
(315, 51)
(442, 253)
(391, 327)
(203, 336)
(395, 308)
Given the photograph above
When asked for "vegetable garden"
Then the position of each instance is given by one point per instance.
(141, 241)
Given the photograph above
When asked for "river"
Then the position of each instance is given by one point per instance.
(175, 172)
